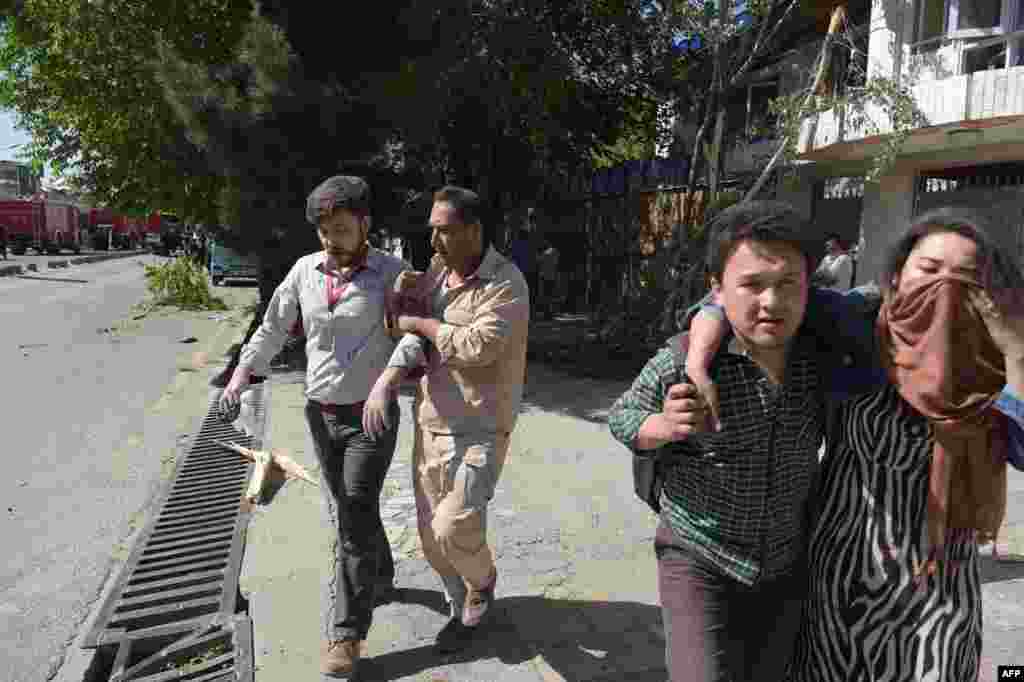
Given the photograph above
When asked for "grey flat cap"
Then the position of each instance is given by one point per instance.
(339, 191)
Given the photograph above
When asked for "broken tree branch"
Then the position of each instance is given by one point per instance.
(265, 461)
(838, 17)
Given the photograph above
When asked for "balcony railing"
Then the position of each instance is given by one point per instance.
(972, 96)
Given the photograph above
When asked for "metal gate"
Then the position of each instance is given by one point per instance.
(838, 204)
(995, 191)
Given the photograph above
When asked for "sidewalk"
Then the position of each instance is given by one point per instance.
(577, 590)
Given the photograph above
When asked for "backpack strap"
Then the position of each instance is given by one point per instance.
(649, 472)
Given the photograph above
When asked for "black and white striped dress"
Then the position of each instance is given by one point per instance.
(867, 621)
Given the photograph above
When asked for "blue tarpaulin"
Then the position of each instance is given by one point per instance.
(644, 173)
(685, 42)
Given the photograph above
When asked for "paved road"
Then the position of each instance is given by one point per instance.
(81, 455)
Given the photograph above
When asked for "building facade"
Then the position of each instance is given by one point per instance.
(18, 180)
(964, 63)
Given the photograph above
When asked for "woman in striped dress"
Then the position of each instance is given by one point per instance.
(895, 588)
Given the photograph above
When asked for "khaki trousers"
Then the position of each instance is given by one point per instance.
(454, 476)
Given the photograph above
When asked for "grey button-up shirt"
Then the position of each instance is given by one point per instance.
(347, 348)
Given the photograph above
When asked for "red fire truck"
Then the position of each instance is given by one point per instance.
(152, 230)
(45, 226)
(110, 230)
(164, 233)
(128, 232)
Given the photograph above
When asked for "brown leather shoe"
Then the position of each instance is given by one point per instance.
(339, 658)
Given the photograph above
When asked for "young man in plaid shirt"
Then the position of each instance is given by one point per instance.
(733, 522)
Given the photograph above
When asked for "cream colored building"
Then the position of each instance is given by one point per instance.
(964, 62)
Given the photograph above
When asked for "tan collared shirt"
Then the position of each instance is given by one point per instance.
(348, 347)
(477, 383)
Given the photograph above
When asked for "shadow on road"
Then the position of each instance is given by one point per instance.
(580, 640)
(553, 391)
(1010, 568)
(239, 284)
(54, 279)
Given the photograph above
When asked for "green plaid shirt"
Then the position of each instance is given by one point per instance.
(737, 497)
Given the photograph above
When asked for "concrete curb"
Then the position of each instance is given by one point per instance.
(14, 270)
(103, 257)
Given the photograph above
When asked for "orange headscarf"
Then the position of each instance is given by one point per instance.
(939, 354)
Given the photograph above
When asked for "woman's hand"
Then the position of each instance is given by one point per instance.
(1007, 331)
(706, 335)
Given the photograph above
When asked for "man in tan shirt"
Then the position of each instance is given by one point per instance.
(474, 352)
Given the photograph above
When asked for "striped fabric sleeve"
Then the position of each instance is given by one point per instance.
(644, 398)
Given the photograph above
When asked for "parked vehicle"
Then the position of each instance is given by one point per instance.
(152, 231)
(101, 227)
(44, 226)
(225, 264)
(127, 233)
(111, 230)
(163, 233)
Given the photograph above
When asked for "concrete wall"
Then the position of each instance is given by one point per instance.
(888, 207)
(886, 41)
(798, 191)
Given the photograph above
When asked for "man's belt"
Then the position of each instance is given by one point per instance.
(352, 409)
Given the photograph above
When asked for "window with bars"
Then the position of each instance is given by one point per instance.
(1003, 175)
(845, 187)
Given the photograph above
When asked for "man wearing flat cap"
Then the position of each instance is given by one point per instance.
(342, 294)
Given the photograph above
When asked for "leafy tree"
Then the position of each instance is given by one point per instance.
(81, 78)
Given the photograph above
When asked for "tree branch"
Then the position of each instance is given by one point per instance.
(838, 15)
(755, 51)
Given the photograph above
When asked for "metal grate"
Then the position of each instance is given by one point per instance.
(182, 574)
(220, 653)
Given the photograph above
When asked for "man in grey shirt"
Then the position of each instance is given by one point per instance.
(343, 293)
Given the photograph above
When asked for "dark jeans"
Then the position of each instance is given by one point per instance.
(353, 468)
(533, 282)
(749, 632)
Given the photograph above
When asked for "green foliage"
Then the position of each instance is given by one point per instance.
(272, 131)
(881, 107)
(196, 662)
(723, 200)
(80, 76)
(182, 283)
